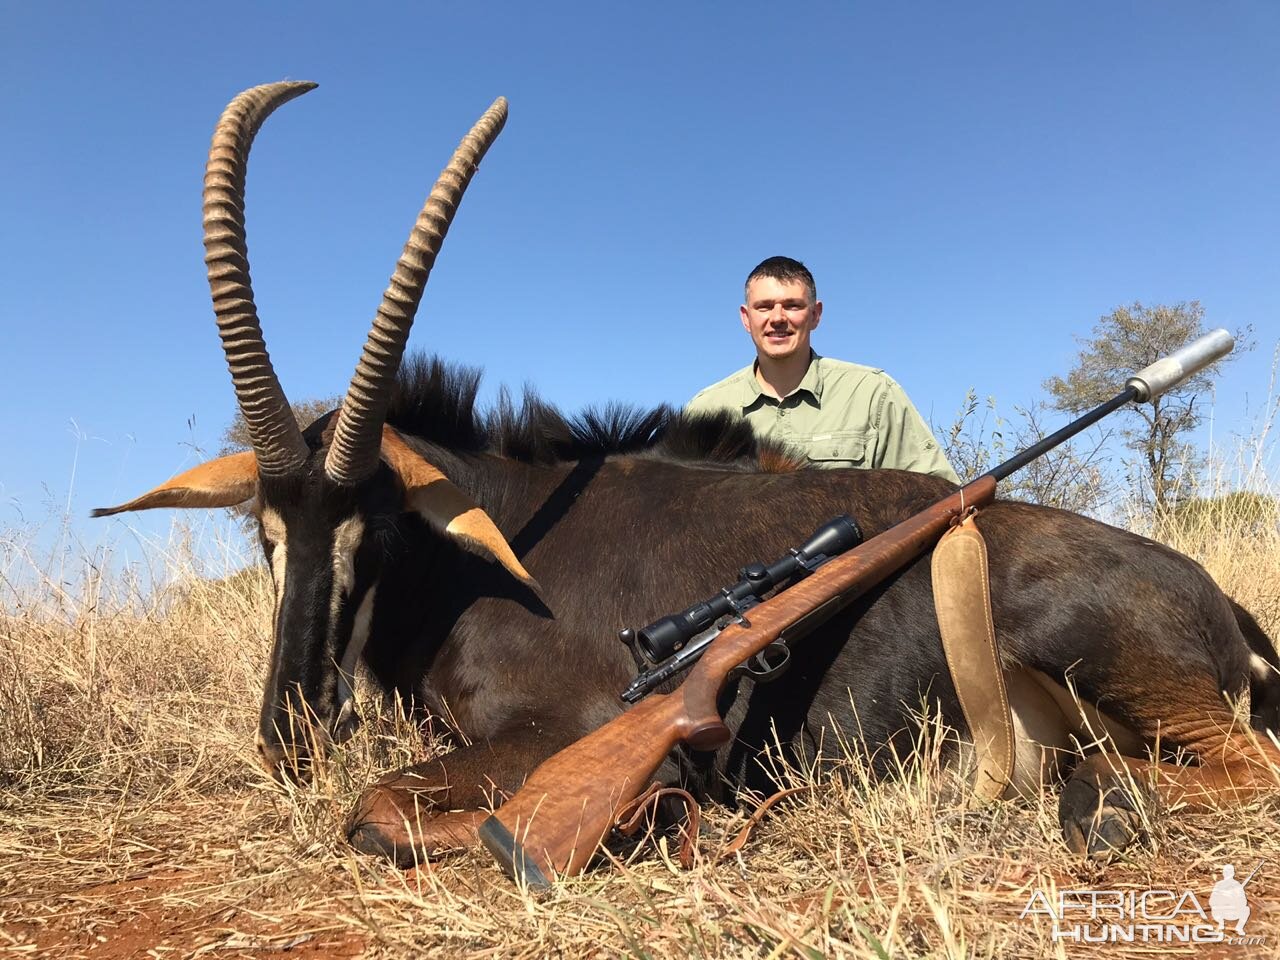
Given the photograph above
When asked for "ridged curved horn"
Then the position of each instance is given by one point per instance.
(277, 441)
(357, 437)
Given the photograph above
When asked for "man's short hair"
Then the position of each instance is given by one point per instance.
(785, 270)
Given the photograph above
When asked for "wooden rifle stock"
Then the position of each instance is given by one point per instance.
(553, 824)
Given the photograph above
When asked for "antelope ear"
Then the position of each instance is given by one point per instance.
(223, 482)
(433, 496)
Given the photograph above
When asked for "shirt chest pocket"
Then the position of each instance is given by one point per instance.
(843, 449)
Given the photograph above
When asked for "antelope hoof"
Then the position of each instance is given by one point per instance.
(1099, 814)
(403, 829)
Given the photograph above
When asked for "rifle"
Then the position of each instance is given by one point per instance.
(675, 643)
(554, 823)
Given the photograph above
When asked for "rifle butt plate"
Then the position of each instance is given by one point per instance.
(511, 857)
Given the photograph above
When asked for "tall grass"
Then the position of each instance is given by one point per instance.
(134, 817)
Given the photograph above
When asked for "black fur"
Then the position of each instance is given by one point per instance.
(436, 401)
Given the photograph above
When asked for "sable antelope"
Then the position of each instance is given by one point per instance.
(405, 531)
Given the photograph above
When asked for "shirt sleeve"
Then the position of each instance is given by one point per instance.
(708, 401)
(905, 441)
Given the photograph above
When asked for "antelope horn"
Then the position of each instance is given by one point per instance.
(277, 441)
(357, 437)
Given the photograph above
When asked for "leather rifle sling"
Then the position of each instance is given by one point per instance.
(962, 599)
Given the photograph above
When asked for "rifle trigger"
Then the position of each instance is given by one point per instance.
(769, 664)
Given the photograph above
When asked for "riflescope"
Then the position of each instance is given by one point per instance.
(664, 637)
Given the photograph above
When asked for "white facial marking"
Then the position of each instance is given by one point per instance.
(1261, 669)
(273, 527)
(346, 538)
(355, 647)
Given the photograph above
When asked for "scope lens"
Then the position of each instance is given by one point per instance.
(833, 537)
(661, 639)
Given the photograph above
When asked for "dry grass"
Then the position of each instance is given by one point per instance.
(135, 821)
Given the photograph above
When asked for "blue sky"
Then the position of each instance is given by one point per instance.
(972, 184)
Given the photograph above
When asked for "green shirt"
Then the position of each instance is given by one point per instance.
(841, 415)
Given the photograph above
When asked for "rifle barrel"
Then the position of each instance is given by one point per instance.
(1144, 386)
(1037, 450)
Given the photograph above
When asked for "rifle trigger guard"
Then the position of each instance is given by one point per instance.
(767, 665)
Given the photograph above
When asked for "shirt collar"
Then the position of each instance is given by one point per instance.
(810, 383)
(812, 379)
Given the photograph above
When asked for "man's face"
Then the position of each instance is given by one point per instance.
(779, 315)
